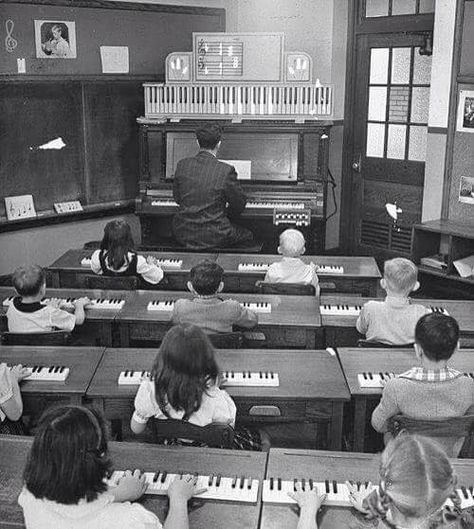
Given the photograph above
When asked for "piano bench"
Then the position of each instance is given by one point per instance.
(170, 245)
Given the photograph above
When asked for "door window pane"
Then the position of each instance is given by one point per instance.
(396, 141)
(427, 6)
(417, 147)
(399, 103)
(378, 66)
(403, 7)
(419, 105)
(375, 140)
(421, 68)
(377, 103)
(376, 8)
(401, 58)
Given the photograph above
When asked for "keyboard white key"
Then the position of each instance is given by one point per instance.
(8, 301)
(253, 267)
(132, 378)
(340, 310)
(258, 307)
(164, 202)
(374, 380)
(251, 379)
(274, 205)
(175, 264)
(99, 304)
(439, 310)
(161, 306)
(329, 269)
(47, 373)
(235, 489)
(86, 262)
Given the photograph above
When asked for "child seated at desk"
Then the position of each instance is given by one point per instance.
(393, 320)
(433, 390)
(206, 309)
(27, 313)
(416, 479)
(291, 269)
(184, 386)
(65, 485)
(11, 405)
(117, 257)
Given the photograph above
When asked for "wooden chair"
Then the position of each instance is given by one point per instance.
(372, 344)
(111, 282)
(454, 427)
(36, 338)
(215, 434)
(290, 289)
(227, 340)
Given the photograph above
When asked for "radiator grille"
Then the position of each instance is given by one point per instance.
(385, 235)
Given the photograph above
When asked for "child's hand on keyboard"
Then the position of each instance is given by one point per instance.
(55, 303)
(307, 498)
(130, 486)
(20, 372)
(151, 260)
(82, 302)
(183, 488)
(357, 496)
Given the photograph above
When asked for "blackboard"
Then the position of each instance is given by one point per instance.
(95, 114)
(466, 66)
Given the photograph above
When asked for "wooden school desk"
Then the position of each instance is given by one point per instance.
(339, 466)
(359, 360)
(341, 331)
(67, 271)
(361, 274)
(98, 326)
(81, 361)
(294, 321)
(205, 461)
(312, 387)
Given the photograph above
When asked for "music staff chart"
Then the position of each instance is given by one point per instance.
(222, 58)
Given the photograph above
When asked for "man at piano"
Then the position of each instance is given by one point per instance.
(208, 196)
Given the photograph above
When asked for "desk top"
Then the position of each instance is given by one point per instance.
(339, 466)
(358, 360)
(71, 260)
(299, 311)
(81, 361)
(91, 314)
(356, 267)
(463, 311)
(314, 375)
(147, 457)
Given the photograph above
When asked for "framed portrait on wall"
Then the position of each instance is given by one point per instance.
(55, 39)
(466, 111)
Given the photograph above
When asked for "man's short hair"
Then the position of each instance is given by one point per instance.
(28, 280)
(438, 335)
(400, 274)
(292, 242)
(206, 278)
(208, 135)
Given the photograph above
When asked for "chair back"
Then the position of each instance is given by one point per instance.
(215, 434)
(290, 289)
(36, 338)
(111, 282)
(372, 344)
(227, 340)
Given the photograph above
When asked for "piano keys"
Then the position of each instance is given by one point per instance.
(239, 489)
(47, 373)
(263, 267)
(68, 303)
(378, 380)
(167, 305)
(354, 310)
(166, 264)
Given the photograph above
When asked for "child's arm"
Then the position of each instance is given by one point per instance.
(315, 280)
(10, 395)
(245, 317)
(145, 407)
(362, 323)
(309, 503)
(79, 313)
(388, 407)
(225, 410)
(149, 270)
(180, 492)
(95, 263)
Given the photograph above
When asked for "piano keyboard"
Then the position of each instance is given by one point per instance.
(165, 306)
(253, 267)
(329, 269)
(340, 310)
(236, 489)
(47, 374)
(164, 263)
(101, 303)
(164, 203)
(86, 262)
(440, 310)
(232, 378)
(374, 380)
(274, 205)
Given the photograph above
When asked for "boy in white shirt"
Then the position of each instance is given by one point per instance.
(291, 269)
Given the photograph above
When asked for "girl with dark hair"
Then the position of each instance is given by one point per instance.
(184, 386)
(117, 256)
(65, 480)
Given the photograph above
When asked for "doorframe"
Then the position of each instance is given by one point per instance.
(358, 25)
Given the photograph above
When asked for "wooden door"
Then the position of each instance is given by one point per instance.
(390, 122)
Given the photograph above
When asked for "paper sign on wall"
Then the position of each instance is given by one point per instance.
(20, 207)
(114, 59)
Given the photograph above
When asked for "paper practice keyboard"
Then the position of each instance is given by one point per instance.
(276, 490)
(263, 267)
(354, 310)
(377, 380)
(232, 378)
(236, 489)
(274, 205)
(164, 202)
(164, 306)
(101, 303)
(47, 374)
(164, 263)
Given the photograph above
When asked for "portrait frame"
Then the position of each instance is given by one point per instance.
(55, 39)
(465, 120)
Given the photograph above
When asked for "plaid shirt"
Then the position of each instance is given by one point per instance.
(428, 375)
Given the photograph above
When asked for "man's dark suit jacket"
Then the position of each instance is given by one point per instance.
(202, 187)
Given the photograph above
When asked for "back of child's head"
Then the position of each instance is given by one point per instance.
(28, 280)
(117, 242)
(416, 476)
(206, 278)
(183, 368)
(68, 460)
(400, 275)
(437, 335)
(292, 243)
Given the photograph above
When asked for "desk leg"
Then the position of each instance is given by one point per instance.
(124, 333)
(336, 426)
(360, 410)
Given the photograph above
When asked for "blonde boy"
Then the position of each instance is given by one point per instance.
(393, 320)
(291, 269)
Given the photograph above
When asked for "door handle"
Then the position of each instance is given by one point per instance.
(357, 164)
